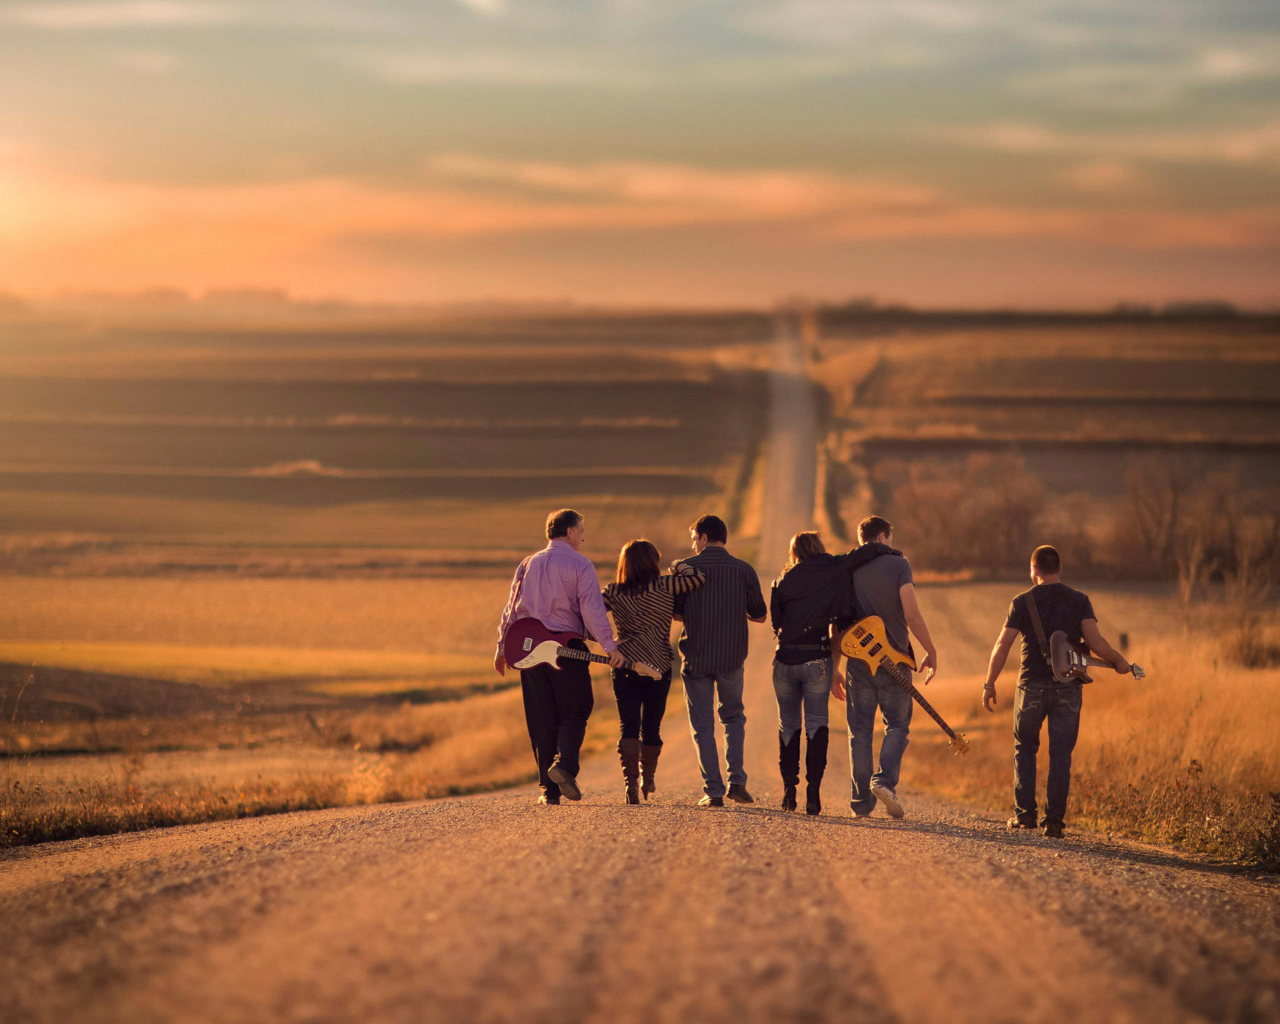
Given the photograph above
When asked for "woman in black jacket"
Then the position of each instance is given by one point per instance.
(813, 590)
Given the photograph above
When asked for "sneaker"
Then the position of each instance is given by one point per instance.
(567, 783)
(862, 814)
(550, 801)
(1016, 822)
(1053, 829)
(711, 801)
(739, 795)
(889, 798)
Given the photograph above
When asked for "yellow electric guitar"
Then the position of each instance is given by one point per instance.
(866, 641)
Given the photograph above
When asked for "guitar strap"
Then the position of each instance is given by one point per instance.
(1044, 644)
(1039, 628)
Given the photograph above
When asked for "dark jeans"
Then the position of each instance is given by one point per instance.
(1032, 705)
(641, 704)
(557, 704)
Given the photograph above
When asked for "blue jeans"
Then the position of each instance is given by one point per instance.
(806, 686)
(700, 694)
(1032, 707)
(865, 694)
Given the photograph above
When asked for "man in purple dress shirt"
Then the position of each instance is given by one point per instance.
(559, 587)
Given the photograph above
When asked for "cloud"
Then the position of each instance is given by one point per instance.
(487, 8)
(1153, 84)
(1105, 177)
(1256, 145)
(494, 67)
(699, 192)
(114, 14)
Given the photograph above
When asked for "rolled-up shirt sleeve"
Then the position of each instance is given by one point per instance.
(591, 607)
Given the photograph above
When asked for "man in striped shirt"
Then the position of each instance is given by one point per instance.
(559, 587)
(713, 645)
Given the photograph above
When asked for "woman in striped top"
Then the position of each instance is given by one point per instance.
(641, 602)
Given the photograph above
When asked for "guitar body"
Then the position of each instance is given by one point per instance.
(867, 641)
(1070, 661)
(528, 643)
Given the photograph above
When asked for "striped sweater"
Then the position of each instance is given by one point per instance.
(643, 621)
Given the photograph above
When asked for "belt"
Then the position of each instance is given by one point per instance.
(804, 647)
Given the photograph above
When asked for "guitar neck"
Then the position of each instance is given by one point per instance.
(599, 659)
(904, 680)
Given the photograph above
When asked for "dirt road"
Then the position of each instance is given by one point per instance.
(490, 908)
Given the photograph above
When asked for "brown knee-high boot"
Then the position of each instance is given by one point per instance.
(629, 755)
(649, 768)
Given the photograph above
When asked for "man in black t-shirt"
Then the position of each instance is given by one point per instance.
(1038, 697)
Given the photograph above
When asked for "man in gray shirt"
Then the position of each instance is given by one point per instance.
(713, 646)
(883, 586)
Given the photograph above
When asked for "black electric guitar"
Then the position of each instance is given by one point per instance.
(1070, 663)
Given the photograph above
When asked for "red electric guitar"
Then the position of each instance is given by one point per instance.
(528, 642)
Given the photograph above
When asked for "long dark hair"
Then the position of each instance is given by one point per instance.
(638, 566)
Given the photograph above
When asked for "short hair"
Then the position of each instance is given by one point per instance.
(560, 522)
(638, 566)
(713, 528)
(871, 528)
(1046, 560)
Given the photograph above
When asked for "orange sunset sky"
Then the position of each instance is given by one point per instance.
(939, 152)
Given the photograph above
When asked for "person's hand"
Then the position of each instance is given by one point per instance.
(929, 665)
(1122, 667)
(616, 660)
(837, 684)
(989, 697)
(500, 663)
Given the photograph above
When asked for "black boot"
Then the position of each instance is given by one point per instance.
(815, 766)
(789, 765)
(629, 755)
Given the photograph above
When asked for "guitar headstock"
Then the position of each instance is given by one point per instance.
(958, 745)
(1138, 672)
(641, 668)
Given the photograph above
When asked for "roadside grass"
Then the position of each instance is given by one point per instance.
(406, 753)
(322, 671)
(1186, 757)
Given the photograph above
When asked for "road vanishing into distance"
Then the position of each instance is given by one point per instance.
(489, 908)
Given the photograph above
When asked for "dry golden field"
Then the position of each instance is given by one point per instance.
(245, 570)
(1054, 428)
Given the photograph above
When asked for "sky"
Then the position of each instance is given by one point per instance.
(673, 152)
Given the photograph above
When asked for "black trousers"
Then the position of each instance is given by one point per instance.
(641, 704)
(557, 704)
